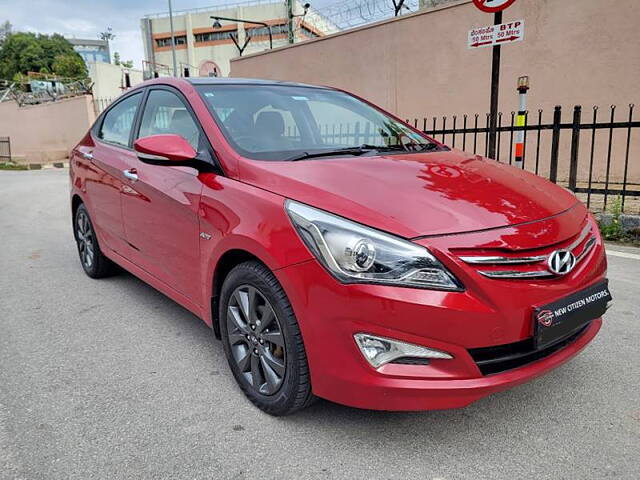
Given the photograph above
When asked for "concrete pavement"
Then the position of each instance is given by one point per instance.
(111, 379)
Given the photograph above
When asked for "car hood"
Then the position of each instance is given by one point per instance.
(412, 195)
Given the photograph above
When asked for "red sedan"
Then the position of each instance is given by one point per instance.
(336, 251)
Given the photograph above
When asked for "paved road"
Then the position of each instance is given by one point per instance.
(110, 379)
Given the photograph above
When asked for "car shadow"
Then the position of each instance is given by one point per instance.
(525, 403)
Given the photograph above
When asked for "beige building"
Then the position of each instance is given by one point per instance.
(110, 80)
(205, 50)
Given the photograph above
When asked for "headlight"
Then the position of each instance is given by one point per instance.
(354, 253)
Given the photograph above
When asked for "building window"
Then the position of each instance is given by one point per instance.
(254, 31)
(279, 29)
(264, 31)
(309, 33)
(166, 42)
(212, 36)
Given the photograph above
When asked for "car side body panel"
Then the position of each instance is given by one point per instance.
(238, 216)
(102, 182)
(161, 224)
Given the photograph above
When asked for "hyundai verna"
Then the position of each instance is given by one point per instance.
(336, 251)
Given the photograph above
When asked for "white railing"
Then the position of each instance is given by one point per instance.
(212, 8)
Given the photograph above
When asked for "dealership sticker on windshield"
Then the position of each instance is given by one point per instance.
(560, 319)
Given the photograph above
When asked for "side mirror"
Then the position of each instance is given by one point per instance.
(167, 150)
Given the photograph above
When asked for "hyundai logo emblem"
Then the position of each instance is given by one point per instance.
(561, 262)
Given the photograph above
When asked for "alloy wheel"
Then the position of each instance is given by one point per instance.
(256, 340)
(85, 238)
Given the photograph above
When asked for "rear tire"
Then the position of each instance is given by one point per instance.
(93, 261)
(262, 341)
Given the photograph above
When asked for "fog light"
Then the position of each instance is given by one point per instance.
(380, 350)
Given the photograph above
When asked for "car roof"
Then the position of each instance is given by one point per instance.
(245, 81)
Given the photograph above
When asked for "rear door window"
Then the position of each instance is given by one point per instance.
(118, 121)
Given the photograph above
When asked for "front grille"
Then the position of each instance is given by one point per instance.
(501, 358)
(533, 263)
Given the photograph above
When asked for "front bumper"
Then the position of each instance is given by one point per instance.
(392, 389)
(329, 313)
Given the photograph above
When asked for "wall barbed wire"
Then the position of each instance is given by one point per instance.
(350, 13)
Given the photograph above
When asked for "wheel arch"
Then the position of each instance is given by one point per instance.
(76, 201)
(227, 261)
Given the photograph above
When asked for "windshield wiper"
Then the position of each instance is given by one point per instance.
(419, 147)
(382, 148)
(428, 147)
(329, 153)
(364, 148)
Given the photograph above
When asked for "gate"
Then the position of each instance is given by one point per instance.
(5, 149)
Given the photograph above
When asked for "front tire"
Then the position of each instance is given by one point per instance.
(93, 261)
(262, 340)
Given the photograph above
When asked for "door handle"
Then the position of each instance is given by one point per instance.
(87, 156)
(131, 174)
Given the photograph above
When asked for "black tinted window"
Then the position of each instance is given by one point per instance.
(116, 127)
(166, 113)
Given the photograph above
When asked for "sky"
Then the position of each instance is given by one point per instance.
(87, 18)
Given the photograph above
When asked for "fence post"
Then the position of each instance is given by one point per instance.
(575, 143)
(453, 139)
(626, 156)
(555, 144)
(608, 172)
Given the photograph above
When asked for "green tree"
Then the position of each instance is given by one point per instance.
(70, 66)
(22, 52)
(55, 45)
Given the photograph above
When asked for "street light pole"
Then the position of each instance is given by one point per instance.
(290, 28)
(173, 42)
(290, 22)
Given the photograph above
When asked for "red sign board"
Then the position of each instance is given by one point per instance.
(492, 6)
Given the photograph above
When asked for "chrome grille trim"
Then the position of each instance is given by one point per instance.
(587, 248)
(496, 260)
(516, 274)
(585, 231)
(499, 260)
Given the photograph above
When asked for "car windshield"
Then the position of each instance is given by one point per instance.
(278, 122)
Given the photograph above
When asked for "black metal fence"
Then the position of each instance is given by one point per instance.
(595, 155)
(5, 149)
(607, 166)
